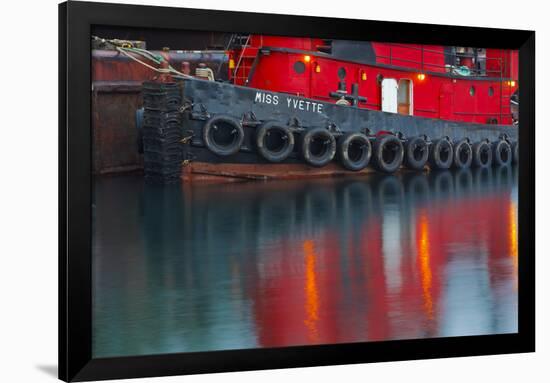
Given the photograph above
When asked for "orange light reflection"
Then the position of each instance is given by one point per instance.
(513, 237)
(311, 290)
(423, 246)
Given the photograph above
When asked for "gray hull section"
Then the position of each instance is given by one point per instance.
(207, 98)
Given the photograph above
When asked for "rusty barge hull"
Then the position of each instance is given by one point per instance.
(193, 102)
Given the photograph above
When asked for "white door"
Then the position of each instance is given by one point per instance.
(389, 95)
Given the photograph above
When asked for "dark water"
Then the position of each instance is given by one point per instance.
(246, 265)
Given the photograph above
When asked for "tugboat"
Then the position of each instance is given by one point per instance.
(306, 107)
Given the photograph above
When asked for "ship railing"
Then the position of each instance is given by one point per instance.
(423, 65)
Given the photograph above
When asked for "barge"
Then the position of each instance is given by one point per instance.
(300, 107)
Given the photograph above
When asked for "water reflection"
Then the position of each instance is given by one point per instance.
(180, 269)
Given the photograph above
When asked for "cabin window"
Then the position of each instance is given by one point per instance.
(491, 91)
(299, 67)
(472, 90)
(342, 73)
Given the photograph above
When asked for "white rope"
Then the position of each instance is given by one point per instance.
(143, 53)
(170, 69)
(159, 70)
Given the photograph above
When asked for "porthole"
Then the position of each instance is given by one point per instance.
(342, 73)
(299, 67)
(472, 90)
(491, 91)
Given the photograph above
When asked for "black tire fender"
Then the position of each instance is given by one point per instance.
(482, 156)
(264, 131)
(441, 154)
(345, 142)
(233, 128)
(388, 153)
(502, 153)
(416, 153)
(462, 154)
(328, 150)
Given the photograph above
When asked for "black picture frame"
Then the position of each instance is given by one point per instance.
(75, 184)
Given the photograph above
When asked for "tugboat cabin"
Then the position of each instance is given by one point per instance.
(477, 85)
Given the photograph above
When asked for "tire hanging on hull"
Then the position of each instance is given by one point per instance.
(416, 153)
(354, 151)
(502, 153)
(388, 153)
(481, 155)
(318, 147)
(462, 154)
(274, 141)
(223, 135)
(441, 154)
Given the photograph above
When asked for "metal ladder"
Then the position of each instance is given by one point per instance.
(240, 38)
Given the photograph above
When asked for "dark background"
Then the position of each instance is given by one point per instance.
(157, 39)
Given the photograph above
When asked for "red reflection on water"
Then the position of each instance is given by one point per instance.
(377, 305)
(334, 286)
(284, 264)
(513, 238)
